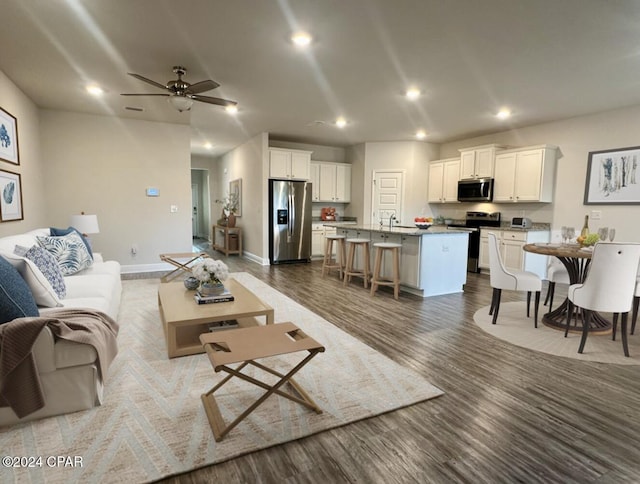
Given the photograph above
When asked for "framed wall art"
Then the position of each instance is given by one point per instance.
(9, 138)
(612, 177)
(10, 196)
(235, 193)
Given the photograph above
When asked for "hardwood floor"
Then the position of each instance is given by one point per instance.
(508, 414)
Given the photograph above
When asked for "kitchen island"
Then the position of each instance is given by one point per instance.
(432, 261)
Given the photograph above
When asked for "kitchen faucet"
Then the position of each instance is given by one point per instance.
(391, 219)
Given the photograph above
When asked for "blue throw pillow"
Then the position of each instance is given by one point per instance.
(16, 300)
(59, 232)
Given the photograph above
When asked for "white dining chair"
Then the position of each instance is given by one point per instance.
(636, 303)
(510, 280)
(608, 287)
(556, 274)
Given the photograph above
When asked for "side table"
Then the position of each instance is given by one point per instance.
(244, 346)
(226, 234)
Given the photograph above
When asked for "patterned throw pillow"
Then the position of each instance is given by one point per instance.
(70, 252)
(16, 300)
(49, 267)
(59, 232)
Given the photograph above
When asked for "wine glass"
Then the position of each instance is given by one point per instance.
(571, 233)
(603, 233)
(612, 234)
(563, 232)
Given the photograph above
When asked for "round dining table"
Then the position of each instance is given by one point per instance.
(576, 259)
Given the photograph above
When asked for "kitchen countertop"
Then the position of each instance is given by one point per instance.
(404, 230)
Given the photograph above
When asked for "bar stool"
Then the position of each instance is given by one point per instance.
(328, 263)
(377, 279)
(349, 270)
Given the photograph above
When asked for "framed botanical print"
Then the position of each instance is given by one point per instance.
(9, 138)
(10, 196)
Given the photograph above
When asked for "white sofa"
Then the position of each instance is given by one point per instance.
(67, 370)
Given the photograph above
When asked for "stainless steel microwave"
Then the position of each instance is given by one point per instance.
(476, 190)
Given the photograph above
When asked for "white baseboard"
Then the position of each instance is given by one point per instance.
(164, 266)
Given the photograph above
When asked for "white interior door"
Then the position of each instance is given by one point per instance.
(387, 195)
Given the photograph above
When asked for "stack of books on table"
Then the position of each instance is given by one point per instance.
(226, 296)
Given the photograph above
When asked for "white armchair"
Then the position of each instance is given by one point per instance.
(501, 279)
(556, 273)
(609, 287)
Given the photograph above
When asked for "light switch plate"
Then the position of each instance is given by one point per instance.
(596, 214)
(174, 208)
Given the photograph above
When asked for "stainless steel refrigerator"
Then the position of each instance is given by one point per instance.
(289, 221)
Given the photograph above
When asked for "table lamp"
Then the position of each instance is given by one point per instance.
(85, 224)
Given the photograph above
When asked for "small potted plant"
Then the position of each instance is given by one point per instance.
(211, 274)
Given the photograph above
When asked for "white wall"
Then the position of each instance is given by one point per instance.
(34, 206)
(250, 162)
(575, 137)
(103, 165)
(412, 158)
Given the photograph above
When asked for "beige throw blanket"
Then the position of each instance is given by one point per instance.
(20, 386)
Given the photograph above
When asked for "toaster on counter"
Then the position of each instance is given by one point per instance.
(521, 223)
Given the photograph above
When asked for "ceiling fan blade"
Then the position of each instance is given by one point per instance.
(148, 81)
(202, 86)
(145, 94)
(213, 100)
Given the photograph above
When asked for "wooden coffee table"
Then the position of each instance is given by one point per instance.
(184, 320)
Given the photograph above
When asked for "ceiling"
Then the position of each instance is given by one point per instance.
(543, 59)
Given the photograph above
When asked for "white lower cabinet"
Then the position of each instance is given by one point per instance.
(319, 233)
(510, 244)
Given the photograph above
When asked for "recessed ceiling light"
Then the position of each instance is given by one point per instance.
(208, 146)
(231, 109)
(413, 94)
(421, 134)
(504, 113)
(95, 90)
(301, 39)
(341, 122)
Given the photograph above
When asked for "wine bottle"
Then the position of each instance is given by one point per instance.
(585, 228)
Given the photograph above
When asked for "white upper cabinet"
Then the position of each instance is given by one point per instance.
(478, 162)
(334, 182)
(525, 174)
(315, 182)
(443, 181)
(289, 164)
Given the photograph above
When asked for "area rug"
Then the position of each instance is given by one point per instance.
(152, 423)
(514, 326)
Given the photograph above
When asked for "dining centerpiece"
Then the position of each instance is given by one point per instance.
(211, 273)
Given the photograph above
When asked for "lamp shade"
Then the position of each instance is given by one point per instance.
(86, 224)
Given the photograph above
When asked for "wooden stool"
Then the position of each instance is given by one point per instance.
(245, 346)
(328, 263)
(377, 279)
(349, 269)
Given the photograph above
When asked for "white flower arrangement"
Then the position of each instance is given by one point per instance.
(211, 270)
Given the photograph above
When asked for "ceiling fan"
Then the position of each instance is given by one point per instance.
(182, 94)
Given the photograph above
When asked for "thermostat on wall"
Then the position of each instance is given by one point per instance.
(153, 192)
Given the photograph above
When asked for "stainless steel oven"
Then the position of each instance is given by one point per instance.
(473, 221)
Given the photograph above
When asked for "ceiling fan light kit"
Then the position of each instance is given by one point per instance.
(182, 94)
(180, 103)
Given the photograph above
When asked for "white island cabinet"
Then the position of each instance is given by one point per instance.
(432, 262)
